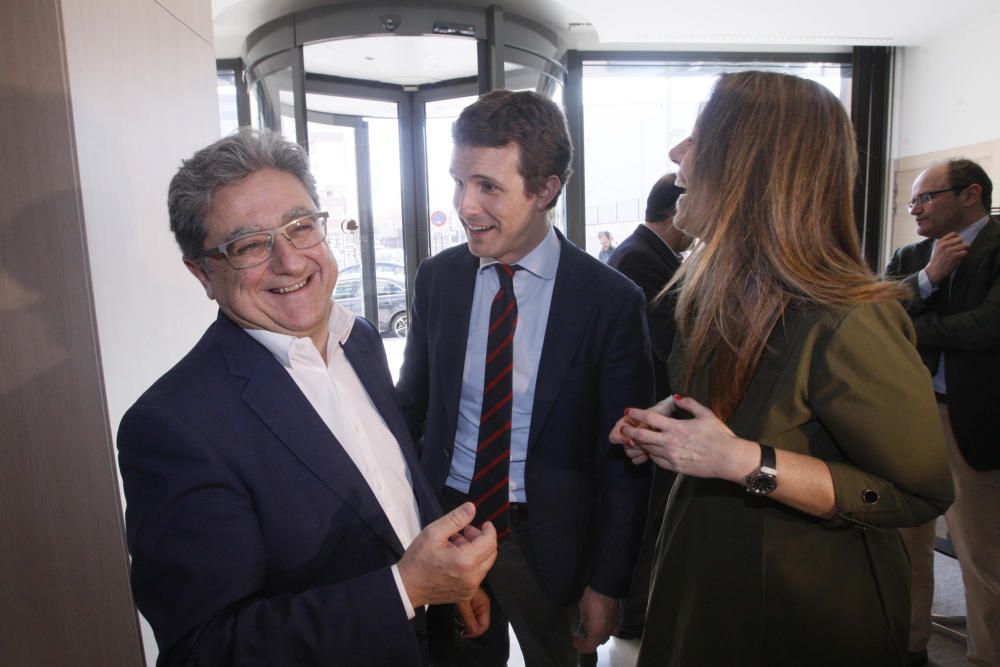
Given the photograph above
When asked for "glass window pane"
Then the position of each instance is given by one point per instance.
(446, 229)
(640, 110)
(225, 85)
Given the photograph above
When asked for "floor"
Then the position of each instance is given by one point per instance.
(949, 593)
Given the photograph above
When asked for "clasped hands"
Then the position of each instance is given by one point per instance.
(446, 563)
(700, 447)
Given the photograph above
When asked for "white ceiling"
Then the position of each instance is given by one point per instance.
(671, 24)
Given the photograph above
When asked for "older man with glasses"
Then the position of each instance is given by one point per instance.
(955, 278)
(274, 497)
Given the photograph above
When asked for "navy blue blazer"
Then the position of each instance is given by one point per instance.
(254, 538)
(586, 500)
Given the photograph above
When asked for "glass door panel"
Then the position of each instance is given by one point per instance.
(445, 228)
(276, 103)
(354, 148)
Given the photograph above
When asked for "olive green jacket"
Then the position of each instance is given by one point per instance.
(743, 580)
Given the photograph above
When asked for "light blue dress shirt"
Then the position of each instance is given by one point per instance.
(968, 235)
(533, 290)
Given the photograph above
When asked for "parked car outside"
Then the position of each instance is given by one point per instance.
(390, 270)
(392, 317)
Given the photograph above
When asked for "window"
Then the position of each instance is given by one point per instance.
(639, 110)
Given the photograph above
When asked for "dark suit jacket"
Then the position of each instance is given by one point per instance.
(646, 260)
(255, 540)
(963, 322)
(586, 501)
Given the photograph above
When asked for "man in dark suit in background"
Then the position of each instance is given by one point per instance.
(649, 257)
(274, 497)
(955, 278)
(522, 353)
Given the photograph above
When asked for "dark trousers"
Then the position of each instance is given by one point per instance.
(543, 627)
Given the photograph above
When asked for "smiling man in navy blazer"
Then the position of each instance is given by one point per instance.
(274, 498)
(568, 507)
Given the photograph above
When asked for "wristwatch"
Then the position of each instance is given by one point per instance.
(764, 479)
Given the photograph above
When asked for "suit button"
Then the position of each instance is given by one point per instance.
(869, 497)
(446, 452)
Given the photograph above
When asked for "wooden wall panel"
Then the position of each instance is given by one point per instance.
(63, 566)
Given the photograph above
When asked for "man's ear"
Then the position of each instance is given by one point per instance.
(198, 271)
(550, 189)
(972, 195)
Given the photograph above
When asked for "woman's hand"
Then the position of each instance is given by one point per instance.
(700, 447)
(636, 454)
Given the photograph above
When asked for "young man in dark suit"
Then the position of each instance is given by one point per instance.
(522, 353)
(955, 278)
(274, 497)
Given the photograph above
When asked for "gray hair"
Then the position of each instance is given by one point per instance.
(227, 161)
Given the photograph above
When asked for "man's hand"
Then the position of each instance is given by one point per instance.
(598, 619)
(448, 559)
(949, 250)
(475, 614)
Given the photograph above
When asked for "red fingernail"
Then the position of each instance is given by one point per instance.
(678, 397)
(626, 411)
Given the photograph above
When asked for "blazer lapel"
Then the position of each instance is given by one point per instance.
(985, 243)
(570, 304)
(457, 288)
(272, 394)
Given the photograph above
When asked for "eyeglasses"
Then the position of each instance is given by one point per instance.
(924, 198)
(254, 248)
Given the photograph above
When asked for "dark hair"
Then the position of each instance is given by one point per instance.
(227, 161)
(662, 199)
(530, 120)
(966, 172)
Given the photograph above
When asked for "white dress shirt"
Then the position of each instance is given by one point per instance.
(334, 390)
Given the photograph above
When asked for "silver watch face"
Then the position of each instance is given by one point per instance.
(761, 483)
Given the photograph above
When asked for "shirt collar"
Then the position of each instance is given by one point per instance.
(970, 233)
(340, 324)
(543, 261)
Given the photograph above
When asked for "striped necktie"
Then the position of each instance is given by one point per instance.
(490, 488)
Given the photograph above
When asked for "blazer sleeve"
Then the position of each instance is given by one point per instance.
(870, 391)
(200, 570)
(414, 375)
(626, 380)
(896, 270)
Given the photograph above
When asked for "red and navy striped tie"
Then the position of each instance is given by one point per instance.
(490, 488)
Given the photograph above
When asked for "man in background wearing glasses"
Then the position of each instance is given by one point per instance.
(274, 497)
(955, 277)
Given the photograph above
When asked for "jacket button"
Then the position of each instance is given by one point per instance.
(446, 452)
(869, 497)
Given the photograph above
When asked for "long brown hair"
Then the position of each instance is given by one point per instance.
(769, 197)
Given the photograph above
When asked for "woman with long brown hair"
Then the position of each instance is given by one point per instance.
(811, 429)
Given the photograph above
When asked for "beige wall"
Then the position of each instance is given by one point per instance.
(945, 101)
(100, 101)
(142, 76)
